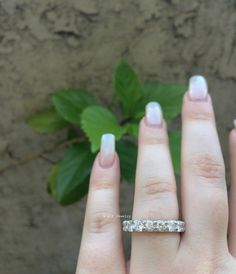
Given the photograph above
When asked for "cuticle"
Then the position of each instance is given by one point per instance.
(153, 126)
(206, 99)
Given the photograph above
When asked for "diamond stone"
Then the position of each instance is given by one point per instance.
(125, 225)
(161, 226)
(172, 226)
(149, 225)
(139, 226)
(155, 225)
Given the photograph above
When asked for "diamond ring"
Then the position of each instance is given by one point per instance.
(153, 226)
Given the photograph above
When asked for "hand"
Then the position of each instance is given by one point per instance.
(203, 248)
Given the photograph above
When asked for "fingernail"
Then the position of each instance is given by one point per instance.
(234, 123)
(198, 88)
(107, 150)
(153, 114)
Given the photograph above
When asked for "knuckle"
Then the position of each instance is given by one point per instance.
(102, 183)
(207, 166)
(100, 222)
(195, 114)
(158, 187)
(155, 140)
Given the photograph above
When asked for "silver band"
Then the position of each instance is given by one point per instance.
(153, 226)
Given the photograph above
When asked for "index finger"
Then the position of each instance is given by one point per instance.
(101, 247)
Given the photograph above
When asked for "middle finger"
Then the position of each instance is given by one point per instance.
(155, 195)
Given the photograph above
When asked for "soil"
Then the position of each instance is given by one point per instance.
(47, 45)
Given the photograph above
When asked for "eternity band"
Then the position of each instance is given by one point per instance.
(153, 226)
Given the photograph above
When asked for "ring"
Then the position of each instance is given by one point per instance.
(153, 226)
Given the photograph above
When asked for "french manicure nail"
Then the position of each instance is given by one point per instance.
(153, 114)
(107, 150)
(198, 88)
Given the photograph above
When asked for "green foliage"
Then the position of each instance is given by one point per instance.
(132, 129)
(175, 141)
(68, 180)
(128, 87)
(127, 151)
(86, 121)
(70, 103)
(98, 120)
(169, 96)
(47, 121)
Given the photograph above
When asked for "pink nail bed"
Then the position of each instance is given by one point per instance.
(107, 150)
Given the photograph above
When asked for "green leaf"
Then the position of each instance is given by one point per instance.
(69, 179)
(175, 147)
(127, 87)
(132, 129)
(169, 96)
(96, 121)
(74, 168)
(74, 195)
(127, 151)
(47, 121)
(70, 103)
(52, 179)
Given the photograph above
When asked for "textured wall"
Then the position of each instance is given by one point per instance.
(49, 44)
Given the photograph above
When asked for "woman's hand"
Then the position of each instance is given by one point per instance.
(203, 248)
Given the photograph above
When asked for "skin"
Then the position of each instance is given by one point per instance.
(204, 247)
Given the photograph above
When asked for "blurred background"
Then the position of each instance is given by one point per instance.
(52, 44)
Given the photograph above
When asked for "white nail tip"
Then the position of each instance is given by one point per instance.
(108, 142)
(153, 113)
(198, 89)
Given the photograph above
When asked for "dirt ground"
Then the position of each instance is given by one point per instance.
(52, 44)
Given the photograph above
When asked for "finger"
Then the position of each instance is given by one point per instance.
(155, 195)
(204, 194)
(232, 203)
(101, 247)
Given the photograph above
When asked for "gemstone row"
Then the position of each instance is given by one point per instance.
(153, 226)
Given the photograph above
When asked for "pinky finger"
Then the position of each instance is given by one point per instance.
(232, 201)
(101, 248)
